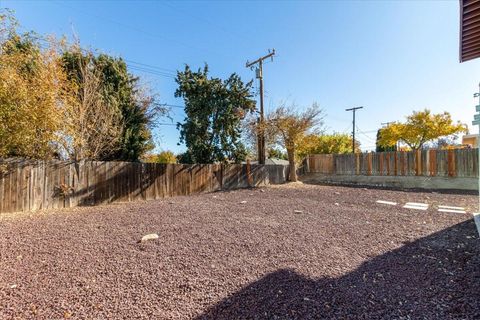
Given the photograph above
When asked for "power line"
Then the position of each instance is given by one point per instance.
(346, 129)
(363, 133)
(336, 119)
(216, 26)
(141, 67)
(152, 72)
(369, 131)
(387, 123)
(136, 29)
(169, 105)
(173, 106)
(151, 66)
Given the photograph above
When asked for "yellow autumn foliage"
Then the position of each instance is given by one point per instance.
(31, 89)
(420, 127)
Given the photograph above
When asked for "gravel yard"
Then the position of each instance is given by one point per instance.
(286, 252)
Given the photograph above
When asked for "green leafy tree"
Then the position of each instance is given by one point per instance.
(123, 92)
(277, 154)
(166, 157)
(214, 109)
(184, 158)
(381, 148)
(420, 128)
(90, 126)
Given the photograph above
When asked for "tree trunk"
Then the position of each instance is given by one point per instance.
(293, 167)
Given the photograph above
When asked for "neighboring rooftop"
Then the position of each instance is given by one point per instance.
(470, 139)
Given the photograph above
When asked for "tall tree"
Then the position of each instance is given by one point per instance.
(31, 88)
(381, 148)
(91, 126)
(290, 127)
(214, 108)
(420, 128)
(123, 92)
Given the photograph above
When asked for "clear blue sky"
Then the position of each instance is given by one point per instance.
(391, 57)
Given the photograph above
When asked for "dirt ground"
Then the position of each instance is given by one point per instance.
(288, 252)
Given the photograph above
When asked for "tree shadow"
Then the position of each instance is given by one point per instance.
(435, 277)
(105, 182)
(29, 185)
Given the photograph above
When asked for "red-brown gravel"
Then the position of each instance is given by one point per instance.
(343, 256)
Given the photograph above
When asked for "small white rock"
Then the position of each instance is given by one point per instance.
(242, 202)
(337, 204)
(13, 286)
(298, 211)
(151, 236)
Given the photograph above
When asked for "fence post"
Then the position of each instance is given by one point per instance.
(369, 164)
(432, 159)
(451, 163)
(357, 163)
(249, 174)
(380, 163)
(418, 162)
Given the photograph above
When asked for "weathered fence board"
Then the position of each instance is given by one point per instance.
(442, 163)
(27, 185)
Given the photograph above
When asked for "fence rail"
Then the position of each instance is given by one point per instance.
(441, 163)
(33, 185)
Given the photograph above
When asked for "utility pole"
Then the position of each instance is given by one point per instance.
(353, 132)
(259, 75)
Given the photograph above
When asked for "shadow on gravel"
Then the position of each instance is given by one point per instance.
(436, 277)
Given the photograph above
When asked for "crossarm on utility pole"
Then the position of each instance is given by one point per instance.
(250, 64)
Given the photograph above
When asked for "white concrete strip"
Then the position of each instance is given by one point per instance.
(407, 206)
(417, 204)
(450, 207)
(451, 210)
(476, 218)
(387, 202)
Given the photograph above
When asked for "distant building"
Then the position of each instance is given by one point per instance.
(470, 140)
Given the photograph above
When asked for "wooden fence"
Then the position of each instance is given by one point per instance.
(34, 185)
(441, 163)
